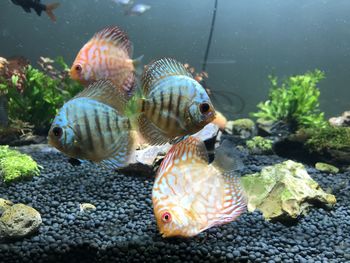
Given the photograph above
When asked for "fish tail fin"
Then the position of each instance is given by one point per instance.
(49, 10)
(138, 65)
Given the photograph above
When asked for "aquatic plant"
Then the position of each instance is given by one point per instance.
(41, 97)
(15, 166)
(295, 101)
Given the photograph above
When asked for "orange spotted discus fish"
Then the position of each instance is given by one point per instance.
(190, 196)
(89, 127)
(107, 56)
(173, 103)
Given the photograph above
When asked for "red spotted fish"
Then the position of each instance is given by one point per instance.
(107, 55)
(173, 104)
(190, 196)
(89, 127)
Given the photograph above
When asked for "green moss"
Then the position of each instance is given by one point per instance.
(324, 167)
(16, 166)
(337, 138)
(295, 101)
(259, 144)
(246, 124)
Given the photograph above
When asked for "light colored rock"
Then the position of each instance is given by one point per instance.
(341, 121)
(244, 128)
(324, 167)
(19, 221)
(4, 204)
(283, 191)
(210, 131)
(87, 207)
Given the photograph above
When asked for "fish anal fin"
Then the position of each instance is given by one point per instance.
(105, 92)
(160, 69)
(117, 36)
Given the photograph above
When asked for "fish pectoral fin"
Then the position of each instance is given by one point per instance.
(150, 132)
(104, 91)
(138, 65)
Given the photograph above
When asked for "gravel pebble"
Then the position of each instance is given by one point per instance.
(123, 227)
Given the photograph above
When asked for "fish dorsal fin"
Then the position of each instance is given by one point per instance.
(160, 69)
(190, 151)
(151, 133)
(114, 34)
(105, 92)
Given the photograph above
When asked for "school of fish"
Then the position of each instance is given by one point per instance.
(162, 104)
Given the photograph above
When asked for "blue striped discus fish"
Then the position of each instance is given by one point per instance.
(190, 196)
(89, 127)
(173, 104)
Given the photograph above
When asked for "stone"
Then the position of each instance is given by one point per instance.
(341, 121)
(283, 191)
(324, 167)
(146, 159)
(19, 221)
(87, 207)
(243, 128)
(4, 204)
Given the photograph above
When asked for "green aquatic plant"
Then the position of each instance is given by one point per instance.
(295, 101)
(15, 166)
(41, 97)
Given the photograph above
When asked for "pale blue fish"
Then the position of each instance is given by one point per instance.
(138, 9)
(89, 127)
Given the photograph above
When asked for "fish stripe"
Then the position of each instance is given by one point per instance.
(160, 112)
(88, 131)
(99, 130)
(170, 106)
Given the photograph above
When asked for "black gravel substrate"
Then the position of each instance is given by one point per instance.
(123, 229)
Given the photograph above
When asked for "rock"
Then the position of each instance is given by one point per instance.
(4, 204)
(341, 121)
(259, 145)
(146, 159)
(19, 221)
(324, 167)
(87, 207)
(283, 191)
(244, 128)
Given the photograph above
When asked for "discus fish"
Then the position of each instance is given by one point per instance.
(89, 127)
(190, 196)
(173, 103)
(107, 55)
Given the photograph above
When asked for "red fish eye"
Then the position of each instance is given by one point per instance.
(78, 68)
(166, 217)
(57, 131)
(204, 107)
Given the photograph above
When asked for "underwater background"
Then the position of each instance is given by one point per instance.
(250, 41)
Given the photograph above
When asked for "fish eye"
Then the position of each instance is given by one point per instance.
(78, 68)
(166, 217)
(57, 131)
(204, 107)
